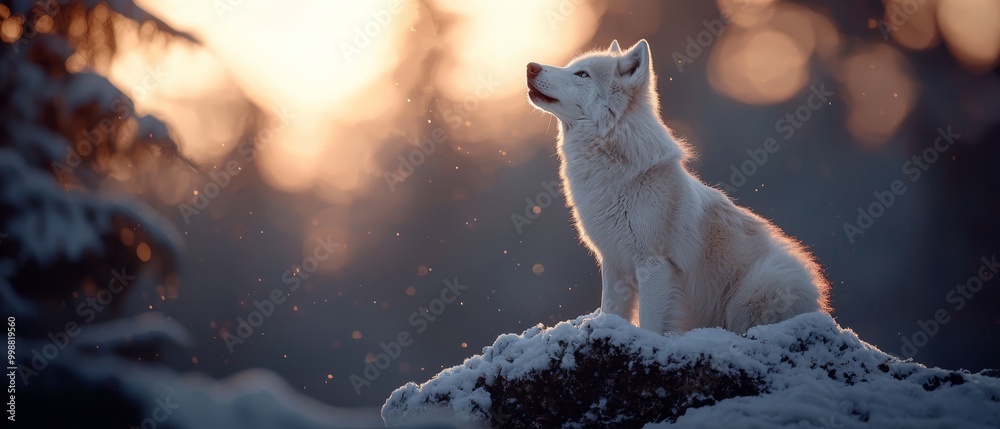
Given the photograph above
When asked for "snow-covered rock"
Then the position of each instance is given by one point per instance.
(601, 371)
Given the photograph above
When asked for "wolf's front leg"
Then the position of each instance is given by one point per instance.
(618, 291)
(661, 302)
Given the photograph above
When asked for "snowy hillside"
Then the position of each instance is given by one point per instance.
(600, 371)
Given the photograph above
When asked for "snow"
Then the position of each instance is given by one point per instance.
(147, 327)
(255, 398)
(86, 88)
(12, 303)
(50, 222)
(810, 372)
(251, 399)
(45, 221)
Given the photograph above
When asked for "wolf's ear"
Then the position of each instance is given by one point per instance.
(635, 65)
(614, 47)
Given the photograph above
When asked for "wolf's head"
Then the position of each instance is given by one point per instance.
(599, 86)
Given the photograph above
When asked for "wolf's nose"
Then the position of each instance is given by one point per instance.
(534, 69)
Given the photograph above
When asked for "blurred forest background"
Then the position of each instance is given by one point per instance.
(170, 167)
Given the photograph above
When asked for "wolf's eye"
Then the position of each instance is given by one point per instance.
(582, 73)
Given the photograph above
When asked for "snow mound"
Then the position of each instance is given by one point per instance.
(601, 371)
(96, 376)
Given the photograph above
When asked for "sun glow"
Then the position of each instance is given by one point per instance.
(341, 71)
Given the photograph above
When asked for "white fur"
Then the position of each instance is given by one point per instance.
(675, 254)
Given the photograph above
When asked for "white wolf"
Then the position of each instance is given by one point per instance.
(675, 254)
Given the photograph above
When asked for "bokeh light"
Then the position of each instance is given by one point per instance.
(765, 59)
(143, 252)
(972, 30)
(910, 23)
(10, 29)
(345, 69)
(479, 52)
(879, 91)
(758, 67)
